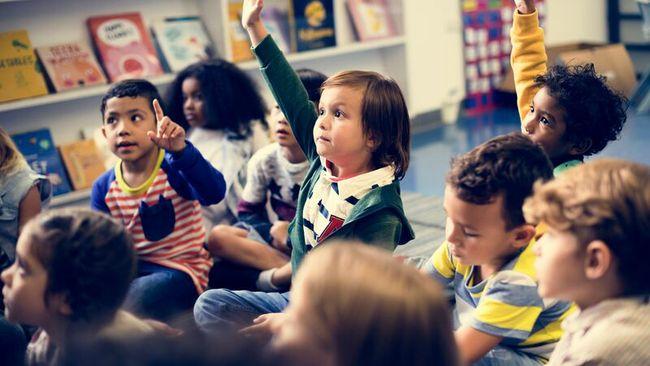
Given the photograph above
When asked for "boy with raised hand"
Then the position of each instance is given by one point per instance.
(569, 110)
(487, 258)
(595, 253)
(156, 191)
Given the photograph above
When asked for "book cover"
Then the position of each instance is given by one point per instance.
(83, 162)
(71, 65)
(371, 19)
(314, 24)
(20, 73)
(240, 46)
(182, 41)
(41, 155)
(278, 19)
(124, 46)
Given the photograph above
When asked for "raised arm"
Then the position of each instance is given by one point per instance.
(528, 57)
(281, 79)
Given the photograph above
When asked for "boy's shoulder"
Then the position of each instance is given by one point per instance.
(265, 153)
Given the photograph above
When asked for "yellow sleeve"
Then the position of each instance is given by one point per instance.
(441, 265)
(528, 57)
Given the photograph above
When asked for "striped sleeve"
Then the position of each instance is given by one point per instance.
(509, 307)
(441, 266)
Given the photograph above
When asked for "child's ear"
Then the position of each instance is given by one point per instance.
(598, 260)
(522, 235)
(59, 303)
(580, 147)
(371, 143)
(104, 130)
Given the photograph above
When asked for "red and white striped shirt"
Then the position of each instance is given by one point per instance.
(182, 249)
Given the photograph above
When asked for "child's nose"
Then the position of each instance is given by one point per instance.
(188, 104)
(529, 125)
(6, 276)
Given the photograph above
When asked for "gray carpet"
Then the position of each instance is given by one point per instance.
(427, 218)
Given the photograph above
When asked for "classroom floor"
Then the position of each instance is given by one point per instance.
(423, 185)
(432, 150)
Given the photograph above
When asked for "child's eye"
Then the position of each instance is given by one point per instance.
(338, 114)
(110, 120)
(471, 235)
(545, 122)
(136, 118)
(321, 111)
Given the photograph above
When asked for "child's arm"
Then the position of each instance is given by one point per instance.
(205, 182)
(474, 344)
(281, 79)
(99, 190)
(252, 205)
(29, 207)
(528, 57)
(509, 308)
(441, 266)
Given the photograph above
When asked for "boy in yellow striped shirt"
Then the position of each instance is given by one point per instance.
(569, 110)
(487, 257)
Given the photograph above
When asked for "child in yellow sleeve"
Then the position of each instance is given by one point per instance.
(568, 110)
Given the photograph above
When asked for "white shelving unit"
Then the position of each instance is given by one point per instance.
(167, 78)
(413, 58)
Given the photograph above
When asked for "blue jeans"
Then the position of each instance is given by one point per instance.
(216, 310)
(160, 292)
(504, 356)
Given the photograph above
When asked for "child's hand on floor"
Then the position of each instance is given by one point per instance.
(525, 6)
(170, 136)
(264, 326)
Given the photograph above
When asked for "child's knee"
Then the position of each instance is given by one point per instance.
(219, 236)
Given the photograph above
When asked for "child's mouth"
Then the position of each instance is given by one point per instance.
(126, 145)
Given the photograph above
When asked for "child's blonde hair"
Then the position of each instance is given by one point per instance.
(10, 158)
(607, 200)
(372, 310)
(384, 116)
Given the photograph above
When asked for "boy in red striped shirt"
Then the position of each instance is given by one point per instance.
(156, 191)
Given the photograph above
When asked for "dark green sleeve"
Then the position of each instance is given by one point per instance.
(290, 94)
(380, 230)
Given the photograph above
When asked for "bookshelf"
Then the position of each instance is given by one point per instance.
(167, 78)
(412, 60)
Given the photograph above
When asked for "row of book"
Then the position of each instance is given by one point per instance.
(71, 166)
(125, 49)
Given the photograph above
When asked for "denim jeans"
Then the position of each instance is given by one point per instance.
(217, 310)
(160, 292)
(504, 356)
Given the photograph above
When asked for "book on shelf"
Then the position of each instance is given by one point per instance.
(124, 46)
(70, 65)
(240, 46)
(314, 24)
(83, 162)
(181, 41)
(38, 148)
(372, 19)
(278, 19)
(20, 73)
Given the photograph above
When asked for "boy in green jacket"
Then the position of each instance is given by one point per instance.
(357, 142)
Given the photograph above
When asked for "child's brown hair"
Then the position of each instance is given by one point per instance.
(384, 116)
(372, 310)
(10, 157)
(607, 200)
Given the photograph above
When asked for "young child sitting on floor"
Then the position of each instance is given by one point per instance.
(255, 243)
(487, 258)
(156, 190)
(357, 143)
(569, 110)
(595, 252)
(71, 274)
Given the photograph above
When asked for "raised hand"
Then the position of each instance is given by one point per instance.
(170, 136)
(251, 20)
(525, 6)
(251, 11)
